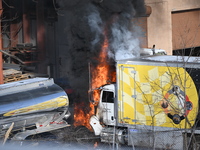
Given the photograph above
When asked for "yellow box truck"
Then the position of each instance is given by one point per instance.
(154, 103)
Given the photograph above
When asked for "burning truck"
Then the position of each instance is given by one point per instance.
(153, 103)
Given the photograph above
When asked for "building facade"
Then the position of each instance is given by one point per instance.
(174, 25)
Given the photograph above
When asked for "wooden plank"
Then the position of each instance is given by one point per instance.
(8, 133)
(11, 72)
(16, 78)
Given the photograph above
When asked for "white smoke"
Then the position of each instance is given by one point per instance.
(125, 43)
(124, 40)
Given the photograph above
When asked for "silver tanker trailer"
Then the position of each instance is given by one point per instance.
(32, 106)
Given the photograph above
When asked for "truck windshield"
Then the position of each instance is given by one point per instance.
(108, 97)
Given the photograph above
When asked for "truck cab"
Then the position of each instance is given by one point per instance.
(105, 110)
(106, 104)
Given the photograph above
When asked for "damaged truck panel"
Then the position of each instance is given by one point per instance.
(34, 106)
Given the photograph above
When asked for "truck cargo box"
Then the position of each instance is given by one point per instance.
(158, 91)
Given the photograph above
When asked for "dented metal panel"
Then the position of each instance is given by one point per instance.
(31, 96)
(36, 102)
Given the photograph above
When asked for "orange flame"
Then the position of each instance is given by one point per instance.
(100, 73)
(80, 117)
(100, 76)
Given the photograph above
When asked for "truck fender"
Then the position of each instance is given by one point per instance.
(95, 123)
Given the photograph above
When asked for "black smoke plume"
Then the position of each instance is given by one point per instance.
(87, 20)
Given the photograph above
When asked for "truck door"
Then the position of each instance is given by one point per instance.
(127, 77)
(108, 107)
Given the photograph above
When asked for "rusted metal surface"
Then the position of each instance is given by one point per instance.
(41, 35)
(26, 23)
(14, 27)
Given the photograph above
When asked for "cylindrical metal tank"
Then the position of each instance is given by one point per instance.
(36, 103)
(29, 96)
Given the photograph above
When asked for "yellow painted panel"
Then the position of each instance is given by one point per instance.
(163, 96)
(53, 103)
